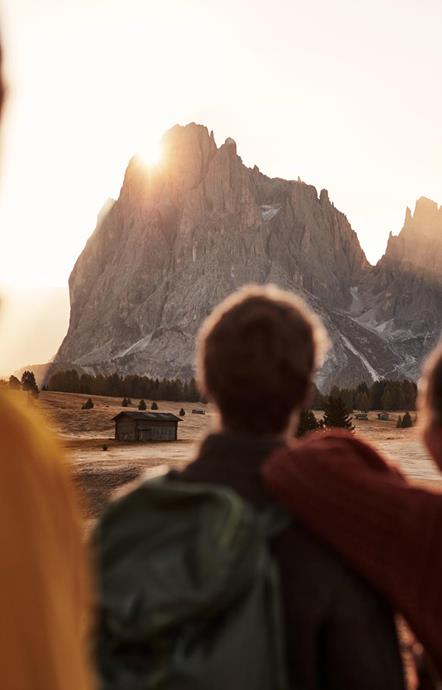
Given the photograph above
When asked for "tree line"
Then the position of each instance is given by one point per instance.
(385, 394)
(131, 386)
(26, 383)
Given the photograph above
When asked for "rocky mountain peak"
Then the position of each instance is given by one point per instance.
(403, 293)
(186, 153)
(231, 145)
(420, 238)
(323, 196)
(185, 233)
(425, 207)
(408, 218)
(427, 218)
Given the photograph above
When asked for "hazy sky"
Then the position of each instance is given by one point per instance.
(344, 93)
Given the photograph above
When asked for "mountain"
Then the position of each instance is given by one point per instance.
(184, 234)
(401, 299)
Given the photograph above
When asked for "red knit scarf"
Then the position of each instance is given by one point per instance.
(387, 530)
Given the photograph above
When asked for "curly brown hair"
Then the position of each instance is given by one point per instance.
(256, 354)
(432, 385)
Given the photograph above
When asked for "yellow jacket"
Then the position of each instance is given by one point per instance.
(44, 589)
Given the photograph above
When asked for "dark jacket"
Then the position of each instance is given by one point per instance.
(340, 634)
(387, 529)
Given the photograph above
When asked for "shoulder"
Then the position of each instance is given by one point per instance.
(196, 471)
(315, 574)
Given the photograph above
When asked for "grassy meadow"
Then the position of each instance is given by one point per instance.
(101, 472)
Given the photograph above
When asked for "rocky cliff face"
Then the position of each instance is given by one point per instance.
(184, 234)
(401, 298)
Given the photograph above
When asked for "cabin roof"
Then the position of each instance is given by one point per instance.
(148, 416)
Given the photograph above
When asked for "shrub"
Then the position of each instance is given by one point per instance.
(14, 383)
(307, 423)
(336, 415)
(28, 383)
(407, 421)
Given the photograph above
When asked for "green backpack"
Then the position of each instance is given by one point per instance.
(188, 593)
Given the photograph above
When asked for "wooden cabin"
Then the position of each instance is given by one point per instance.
(146, 426)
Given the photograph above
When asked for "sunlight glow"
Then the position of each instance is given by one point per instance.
(150, 153)
(91, 82)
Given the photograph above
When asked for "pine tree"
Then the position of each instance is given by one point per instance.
(142, 405)
(87, 405)
(307, 423)
(154, 406)
(182, 412)
(336, 415)
(14, 383)
(407, 421)
(124, 402)
(387, 399)
(140, 387)
(362, 388)
(347, 396)
(28, 383)
(363, 403)
(376, 393)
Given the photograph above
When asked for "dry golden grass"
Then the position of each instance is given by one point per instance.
(100, 473)
(85, 432)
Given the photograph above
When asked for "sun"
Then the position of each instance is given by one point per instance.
(150, 153)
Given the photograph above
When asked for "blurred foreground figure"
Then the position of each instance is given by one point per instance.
(43, 576)
(387, 529)
(43, 579)
(204, 581)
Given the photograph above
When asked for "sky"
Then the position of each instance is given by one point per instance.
(344, 94)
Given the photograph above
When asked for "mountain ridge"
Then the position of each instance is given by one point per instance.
(184, 234)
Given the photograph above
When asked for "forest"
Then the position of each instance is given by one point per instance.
(385, 394)
(131, 386)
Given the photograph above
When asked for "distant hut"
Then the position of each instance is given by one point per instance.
(383, 416)
(146, 426)
(362, 416)
(198, 410)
